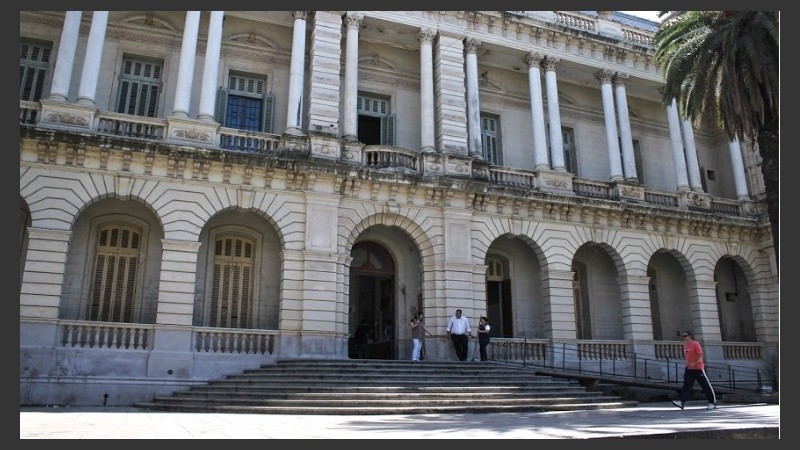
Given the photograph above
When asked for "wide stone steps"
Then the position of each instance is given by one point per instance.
(385, 387)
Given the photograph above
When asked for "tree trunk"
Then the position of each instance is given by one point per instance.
(769, 148)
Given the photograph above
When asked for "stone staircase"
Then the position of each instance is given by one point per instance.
(385, 387)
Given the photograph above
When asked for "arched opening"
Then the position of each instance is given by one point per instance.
(733, 302)
(498, 296)
(670, 308)
(24, 224)
(598, 308)
(372, 302)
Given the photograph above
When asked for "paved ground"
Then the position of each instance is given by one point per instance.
(653, 420)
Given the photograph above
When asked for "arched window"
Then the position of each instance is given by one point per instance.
(232, 282)
(115, 271)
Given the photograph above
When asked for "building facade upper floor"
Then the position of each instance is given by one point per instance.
(561, 102)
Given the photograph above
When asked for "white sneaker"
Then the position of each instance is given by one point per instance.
(711, 406)
(678, 403)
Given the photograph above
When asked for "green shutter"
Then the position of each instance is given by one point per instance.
(266, 116)
(222, 105)
(388, 130)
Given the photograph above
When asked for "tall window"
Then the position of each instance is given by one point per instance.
(637, 159)
(376, 126)
(116, 267)
(232, 283)
(244, 104)
(570, 156)
(490, 139)
(34, 59)
(139, 87)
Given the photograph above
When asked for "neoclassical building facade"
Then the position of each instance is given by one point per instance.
(203, 192)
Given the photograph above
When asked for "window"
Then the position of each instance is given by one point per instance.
(34, 59)
(375, 125)
(244, 104)
(139, 87)
(490, 139)
(570, 156)
(232, 282)
(116, 267)
(637, 159)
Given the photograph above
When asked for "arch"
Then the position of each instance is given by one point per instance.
(83, 263)
(734, 301)
(670, 303)
(264, 268)
(251, 38)
(597, 291)
(346, 239)
(486, 230)
(676, 246)
(148, 20)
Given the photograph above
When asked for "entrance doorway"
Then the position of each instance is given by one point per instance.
(372, 303)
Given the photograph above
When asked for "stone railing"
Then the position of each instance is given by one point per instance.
(725, 206)
(233, 340)
(248, 141)
(507, 176)
(105, 335)
(128, 125)
(518, 349)
(668, 350)
(751, 351)
(661, 198)
(386, 157)
(575, 21)
(28, 112)
(591, 188)
(590, 350)
(637, 37)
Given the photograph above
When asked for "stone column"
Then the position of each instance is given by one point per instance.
(176, 285)
(294, 109)
(540, 159)
(352, 22)
(692, 165)
(208, 92)
(612, 141)
(677, 146)
(183, 90)
(43, 276)
(91, 62)
(62, 73)
(554, 115)
(427, 138)
(451, 103)
(473, 103)
(628, 158)
(559, 315)
(637, 322)
(737, 164)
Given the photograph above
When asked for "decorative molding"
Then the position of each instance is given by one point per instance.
(251, 39)
(148, 20)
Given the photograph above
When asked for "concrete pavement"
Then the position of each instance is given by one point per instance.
(652, 420)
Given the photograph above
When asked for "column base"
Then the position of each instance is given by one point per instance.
(193, 132)
(66, 116)
(555, 182)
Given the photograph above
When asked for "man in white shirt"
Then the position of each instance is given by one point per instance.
(459, 331)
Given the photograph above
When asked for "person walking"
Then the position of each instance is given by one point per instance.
(694, 371)
(459, 331)
(483, 336)
(417, 327)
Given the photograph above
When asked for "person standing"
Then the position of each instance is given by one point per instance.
(417, 327)
(483, 336)
(694, 371)
(459, 331)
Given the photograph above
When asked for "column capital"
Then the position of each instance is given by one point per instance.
(302, 15)
(620, 79)
(471, 45)
(425, 36)
(551, 62)
(533, 59)
(353, 20)
(604, 76)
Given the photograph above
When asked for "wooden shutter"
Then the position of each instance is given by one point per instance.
(388, 130)
(222, 105)
(266, 116)
(116, 266)
(232, 281)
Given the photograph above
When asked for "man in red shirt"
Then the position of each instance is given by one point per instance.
(695, 371)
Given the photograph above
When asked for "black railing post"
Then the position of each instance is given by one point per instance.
(758, 377)
(524, 351)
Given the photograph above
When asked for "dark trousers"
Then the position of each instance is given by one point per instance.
(460, 344)
(699, 375)
(483, 343)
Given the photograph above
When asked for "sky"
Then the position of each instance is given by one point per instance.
(649, 15)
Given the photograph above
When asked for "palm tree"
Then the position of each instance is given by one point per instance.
(722, 66)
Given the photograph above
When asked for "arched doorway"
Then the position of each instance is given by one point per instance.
(372, 302)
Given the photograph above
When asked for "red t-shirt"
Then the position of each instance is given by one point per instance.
(691, 350)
